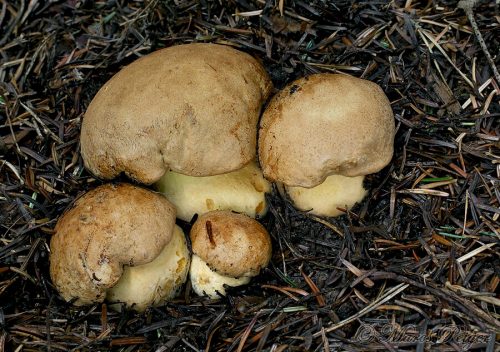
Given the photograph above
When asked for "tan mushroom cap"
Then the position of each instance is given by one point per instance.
(325, 124)
(231, 244)
(192, 108)
(107, 228)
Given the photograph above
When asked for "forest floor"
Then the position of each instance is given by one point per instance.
(414, 267)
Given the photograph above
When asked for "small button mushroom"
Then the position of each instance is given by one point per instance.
(119, 236)
(242, 191)
(228, 249)
(321, 135)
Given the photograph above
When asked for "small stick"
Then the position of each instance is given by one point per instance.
(467, 6)
(208, 226)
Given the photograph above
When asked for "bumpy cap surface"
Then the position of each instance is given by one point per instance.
(190, 108)
(325, 124)
(107, 228)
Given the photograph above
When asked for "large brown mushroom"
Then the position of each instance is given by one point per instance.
(326, 131)
(192, 109)
(108, 235)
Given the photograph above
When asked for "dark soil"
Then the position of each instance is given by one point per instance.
(416, 266)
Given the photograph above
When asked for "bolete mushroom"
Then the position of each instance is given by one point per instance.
(228, 250)
(119, 241)
(192, 109)
(242, 191)
(326, 131)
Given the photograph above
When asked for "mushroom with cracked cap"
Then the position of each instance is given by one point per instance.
(120, 242)
(321, 135)
(228, 250)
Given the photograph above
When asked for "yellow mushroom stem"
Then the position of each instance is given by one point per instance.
(242, 191)
(324, 200)
(205, 281)
(155, 282)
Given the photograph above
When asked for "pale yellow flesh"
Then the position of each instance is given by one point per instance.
(155, 282)
(325, 199)
(205, 281)
(242, 191)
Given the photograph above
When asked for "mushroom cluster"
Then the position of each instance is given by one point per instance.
(185, 117)
(185, 120)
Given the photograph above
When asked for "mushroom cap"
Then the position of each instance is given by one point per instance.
(107, 228)
(190, 108)
(243, 191)
(325, 124)
(231, 244)
(153, 283)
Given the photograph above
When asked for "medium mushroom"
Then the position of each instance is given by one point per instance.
(119, 241)
(191, 109)
(228, 250)
(321, 135)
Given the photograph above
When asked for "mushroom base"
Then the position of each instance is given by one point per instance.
(155, 282)
(324, 200)
(205, 281)
(242, 191)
